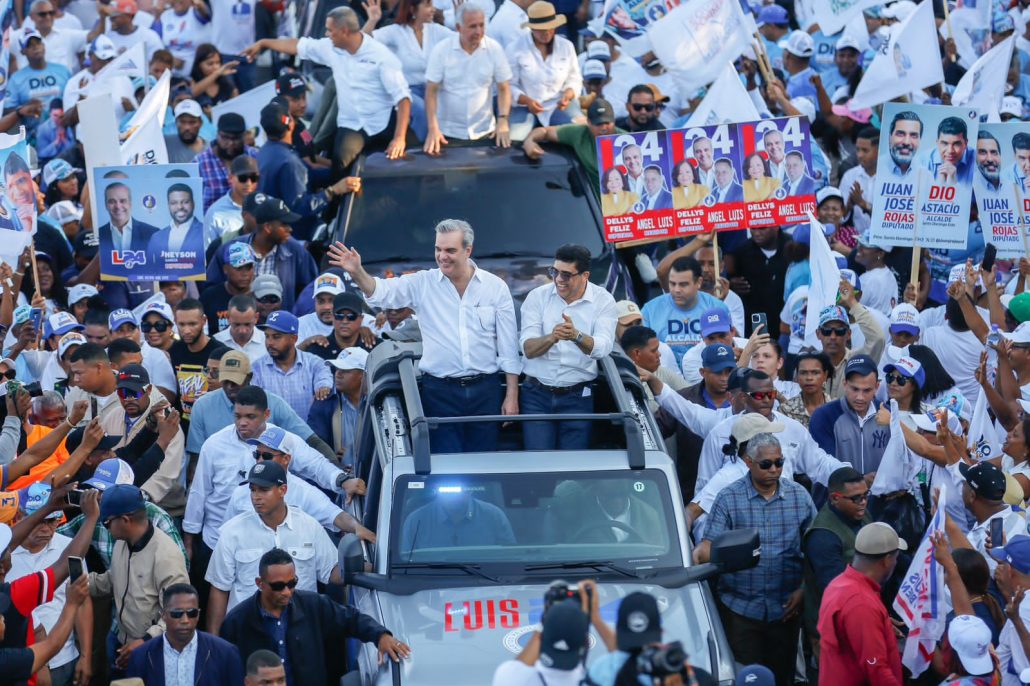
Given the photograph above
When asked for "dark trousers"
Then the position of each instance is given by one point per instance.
(773, 644)
(198, 568)
(534, 399)
(447, 398)
(350, 143)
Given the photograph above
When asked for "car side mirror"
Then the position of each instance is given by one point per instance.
(736, 550)
(351, 557)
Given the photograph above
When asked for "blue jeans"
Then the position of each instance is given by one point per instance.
(418, 122)
(522, 122)
(573, 435)
(444, 398)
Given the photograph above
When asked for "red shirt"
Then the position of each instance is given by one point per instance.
(26, 593)
(856, 640)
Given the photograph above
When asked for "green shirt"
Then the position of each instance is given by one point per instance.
(583, 143)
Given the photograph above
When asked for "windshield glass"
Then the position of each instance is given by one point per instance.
(623, 517)
(513, 211)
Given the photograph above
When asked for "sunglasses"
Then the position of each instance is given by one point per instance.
(45, 14)
(637, 107)
(346, 316)
(211, 372)
(860, 498)
(10, 374)
(177, 613)
(263, 455)
(762, 395)
(282, 585)
(248, 178)
(269, 299)
(128, 394)
(834, 331)
(765, 465)
(560, 274)
(159, 326)
(898, 379)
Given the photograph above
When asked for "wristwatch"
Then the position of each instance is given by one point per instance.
(579, 337)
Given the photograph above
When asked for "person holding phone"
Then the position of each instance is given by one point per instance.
(983, 495)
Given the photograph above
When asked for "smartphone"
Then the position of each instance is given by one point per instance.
(12, 387)
(759, 319)
(76, 568)
(990, 252)
(75, 497)
(997, 533)
(36, 317)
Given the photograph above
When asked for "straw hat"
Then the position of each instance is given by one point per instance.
(543, 16)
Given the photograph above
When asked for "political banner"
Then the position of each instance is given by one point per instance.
(629, 19)
(143, 141)
(983, 85)
(697, 38)
(833, 15)
(664, 184)
(18, 201)
(1000, 186)
(151, 225)
(924, 176)
(248, 106)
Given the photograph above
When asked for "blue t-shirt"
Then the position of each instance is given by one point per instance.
(39, 84)
(825, 50)
(679, 328)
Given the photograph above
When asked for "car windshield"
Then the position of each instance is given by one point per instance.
(515, 212)
(537, 520)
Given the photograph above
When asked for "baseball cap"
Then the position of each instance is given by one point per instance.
(971, 640)
(234, 367)
(1015, 553)
(239, 254)
(346, 300)
(627, 311)
(275, 438)
(715, 320)
(269, 209)
(860, 364)
(599, 50)
(717, 357)
(328, 283)
(865, 240)
(60, 323)
(162, 309)
(292, 84)
(827, 192)
(751, 424)
(851, 277)
(121, 316)
(773, 14)
(133, 377)
(1011, 105)
(861, 115)
(190, 107)
(986, 480)
(125, 6)
(803, 233)
(267, 474)
(594, 69)
(86, 244)
(63, 212)
(267, 284)
(878, 538)
(1020, 335)
(275, 119)
(1020, 307)
(800, 44)
(848, 41)
(905, 319)
(350, 358)
(282, 321)
(68, 340)
(35, 497)
(833, 313)
(231, 122)
(755, 675)
(27, 35)
(111, 472)
(563, 641)
(74, 439)
(81, 292)
(908, 366)
(638, 622)
(102, 48)
(600, 112)
(21, 315)
(119, 500)
(57, 170)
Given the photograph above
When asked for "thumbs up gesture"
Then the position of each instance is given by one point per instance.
(566, 331)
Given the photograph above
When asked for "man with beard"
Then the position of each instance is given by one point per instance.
(952, 160)
(190, 353)
(905, 131)
(214, 162)
(641, 111)
(298, 376)
(702, 147)
(183, 239)
(988, 163)
(185, 144)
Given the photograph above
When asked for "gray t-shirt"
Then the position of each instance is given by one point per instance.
(178, 152)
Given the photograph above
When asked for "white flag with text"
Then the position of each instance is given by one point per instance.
(697, 38)
(834, 15)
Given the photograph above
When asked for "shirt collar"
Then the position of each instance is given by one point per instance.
(186, 648)
(753, 493)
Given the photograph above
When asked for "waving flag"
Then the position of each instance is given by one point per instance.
(982, 438)
(983, 86)
(697, 38)
(725, 102)
(834, 15)
(131, 63)
(825, 281)
(143, 141)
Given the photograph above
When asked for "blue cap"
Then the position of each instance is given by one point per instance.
(908, 366)
(803, 233)
(35, 497)
(119, 317)
(755, 675)
(275, 438)
(1015, 553)
(773, 14)
(715, 320)
(842, 262)
(120, 500)
(833, 313)
(281, 321)
(110, 473)
(718, 357)
(851, 277)
(862, 365)
(59, 324)
(239, 254)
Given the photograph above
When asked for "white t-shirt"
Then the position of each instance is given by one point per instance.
(690, 365)
(959, 354)
(515, 673)
(232, 25)
(151, 41)
(879, 290)
(182, 33)
(465, 107)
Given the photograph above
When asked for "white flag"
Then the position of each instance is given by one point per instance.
(898, 467)
(12, 245)
(825, 281)
(248, 106)
(908, 62)
(697, 38)
(131, 63)
(144, 141)
(726, 101)
(833, 15)
(983, 439)
(983, 86)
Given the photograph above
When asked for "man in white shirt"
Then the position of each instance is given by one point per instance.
(85, 84)
(320, 322)
(271, 524)
(371, 93)
(460, 78)
(124, 32)
(63, 45)
(469, 334)
(857, 182)
(243, 333)
(566, 327)
(879, 287)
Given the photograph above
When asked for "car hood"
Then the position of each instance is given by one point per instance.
(486, 626)
(522, 274)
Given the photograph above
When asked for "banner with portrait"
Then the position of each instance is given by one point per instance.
(665, 184)
(1001, 185)
(18, 200)
(924, 176)
(151, 222)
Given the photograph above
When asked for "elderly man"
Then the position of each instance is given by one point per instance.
(63, 44)
(338, 415)
(461, 75)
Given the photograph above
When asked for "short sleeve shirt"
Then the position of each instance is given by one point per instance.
(465, 98)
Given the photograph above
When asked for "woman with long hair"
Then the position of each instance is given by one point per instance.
(212, 80)
(616, 197)
(812, 369)
(904, 379)
(687, 190)
(51, 286)
(759, 184)
(62, 183)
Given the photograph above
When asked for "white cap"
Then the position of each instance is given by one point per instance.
(1010, 104)
(800, 44)
(599, 50)
(161, 308)
(68, 340)
(350, 358)
(1021, 335)
(827, 192)
(81, 292)
(328, 283)
(805, 106)
(103, 48)
(594, 69)
(906, 318)
(971, 640)
(848, 41)
(190, 107)
(63, 212)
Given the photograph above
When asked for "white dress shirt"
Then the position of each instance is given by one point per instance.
(463, 335)
(564, 364)
(46, 615)
(179, 667)
(245, 538)
(543, 80)
(178, 235)
(369, 83)
(121, 238)
(506, 24)
(465, 105)
(413, 55)
(254, 349)
(859, 217)
(299, 494)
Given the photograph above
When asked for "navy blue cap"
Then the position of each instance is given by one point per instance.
(862, 365)
(121, 500)
(717, 357)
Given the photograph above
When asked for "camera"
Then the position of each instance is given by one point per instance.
(662, 660)
(559, 591)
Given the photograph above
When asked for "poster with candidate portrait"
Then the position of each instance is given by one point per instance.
(924, 176)
(18, 199)
(1000, 185)
(151, 223)
(726, 177)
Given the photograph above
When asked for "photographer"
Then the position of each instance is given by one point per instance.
(641, 657)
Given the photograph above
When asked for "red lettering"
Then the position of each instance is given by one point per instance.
(448, 620)
(942, 193)
(474, 623)
(509, 613)
(491, 615)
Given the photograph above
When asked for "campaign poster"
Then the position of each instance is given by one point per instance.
(706, 191)
(636, 199)
(151, 225)
(776, 171)
(924, 176)
(18, 200)
(1001, 183)
(628, 19)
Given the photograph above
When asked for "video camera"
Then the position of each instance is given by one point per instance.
(662, 660)
(559, 591)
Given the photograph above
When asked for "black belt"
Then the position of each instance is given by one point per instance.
(462, 380)
(557, 390)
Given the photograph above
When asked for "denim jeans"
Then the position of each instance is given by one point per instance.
(444, 398)
(573, 435)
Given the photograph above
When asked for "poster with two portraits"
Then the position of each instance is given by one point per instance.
(1001, 185)
(665, 184)
(150, 222)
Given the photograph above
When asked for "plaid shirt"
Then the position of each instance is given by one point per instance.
(297, 386)
(760, 593)
(104, 544)
(215, 175)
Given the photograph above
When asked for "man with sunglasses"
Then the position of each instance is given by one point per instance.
(224, 219)
(641, 111)
(191, 657)
(834, 333)
(216, 160)
(123, 324)
(348, 328)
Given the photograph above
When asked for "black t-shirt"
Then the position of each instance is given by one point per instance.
(216, 307)
(16, 664)
(189, 372)
(332, 351)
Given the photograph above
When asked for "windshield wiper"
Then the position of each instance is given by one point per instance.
(510, 253)
(599, 566)
(470, 569)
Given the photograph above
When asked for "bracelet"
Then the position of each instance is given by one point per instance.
(70, 425)
(502, 116)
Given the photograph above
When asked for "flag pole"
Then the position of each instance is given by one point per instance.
(1022, 217)
(917, 251)
(35, 280)
(947, 19)
(718, 267)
